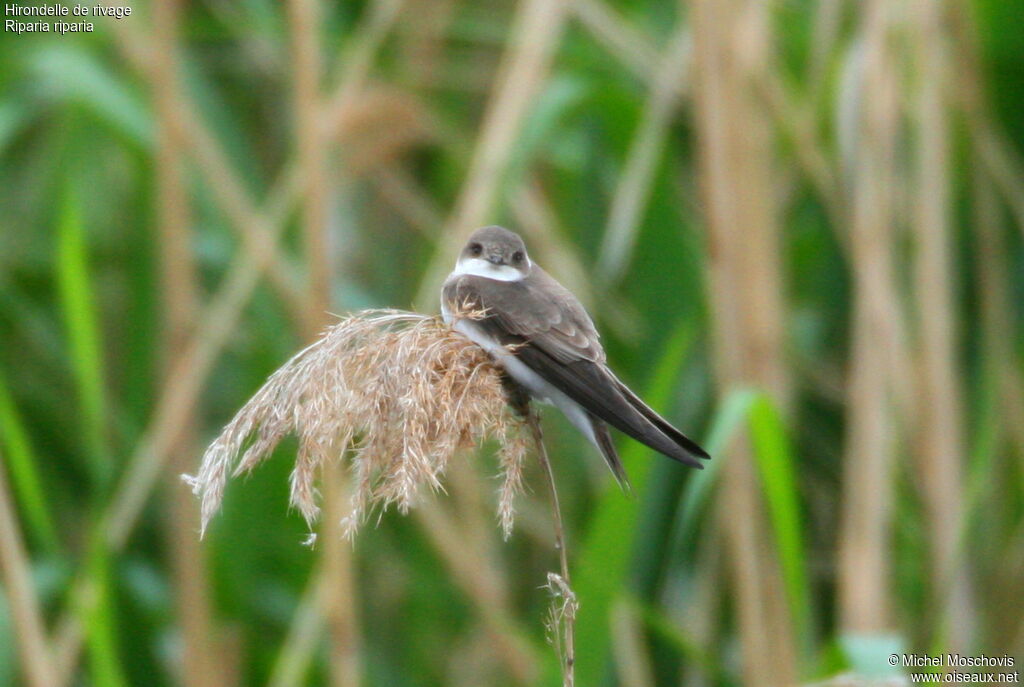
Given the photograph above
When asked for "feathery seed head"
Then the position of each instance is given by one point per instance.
(397, 393)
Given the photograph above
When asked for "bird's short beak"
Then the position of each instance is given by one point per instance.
(495, 260)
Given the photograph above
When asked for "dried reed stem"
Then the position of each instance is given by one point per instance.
(628, 44)
(356, 60)
(828, 17)
(732, 40)
(636, 52)
(562, 618)
(645, 151)
(29, 630)
(311, 139)
(864, 581)
(995, 169)
(398, 187)
(939, 432)
(480, 579)
(307, 623)
(341, 614)
(259, 230)
(217, 323)
(180, 116)
(180, 298)
(633, 664)
(796, 122)
(532, 42)
(425, 34)
(174, 405)
(997, 327)
(306, 130)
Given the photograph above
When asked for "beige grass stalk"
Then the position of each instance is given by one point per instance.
(306, 132)
(259, 230)
(562, 615)
(667, 86)
(997, 329)
(401, 191)
(181, 303)
(939, 435)
(479, 576)
(185, 381)
(625, 42)
(632, 660)
(532, 42)
(872, 98)
(307, 623)
(179, 114)
(540, 224)
(732, 44)
(994, 170)
(217, 322)
(26, 616)
(310, 142)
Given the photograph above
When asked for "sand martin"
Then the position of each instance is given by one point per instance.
(545, 340)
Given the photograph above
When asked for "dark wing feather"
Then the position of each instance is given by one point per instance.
(556, 338)
(594, 388)
(537, 308)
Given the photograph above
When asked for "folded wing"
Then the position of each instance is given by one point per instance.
(553, 335)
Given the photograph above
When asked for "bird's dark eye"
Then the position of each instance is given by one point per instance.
(475, 249)
(517, 256)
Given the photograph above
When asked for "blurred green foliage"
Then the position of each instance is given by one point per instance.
(81, 313)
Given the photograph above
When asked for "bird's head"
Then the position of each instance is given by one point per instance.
(494, 253)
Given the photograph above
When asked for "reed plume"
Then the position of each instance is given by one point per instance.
(397, 394)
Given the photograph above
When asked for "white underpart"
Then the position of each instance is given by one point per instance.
(538, 387)
(478, 267)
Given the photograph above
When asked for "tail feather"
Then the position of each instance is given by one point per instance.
(663, 425)
(603, 438)
(597, 391)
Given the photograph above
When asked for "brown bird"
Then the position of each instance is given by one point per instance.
(545, 340)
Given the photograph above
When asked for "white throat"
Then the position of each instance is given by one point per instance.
(478, 267)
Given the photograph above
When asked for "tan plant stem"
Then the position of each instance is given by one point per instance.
(629, 203)
(736, 163)
(257, 228)
(997, 171)
(340, 608)
(871, 444)
(306, 68)
(625, 42)
(27, 618)
(563, 618)
(180, 118)
(794, 118)
(940, 428)
(540, 225)
(307, 624)
(181, 304)
(477, 575)
(311, 140)
(479, 579)
(633, 664)
(216, 324)
(188, 373)
(532, 42)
